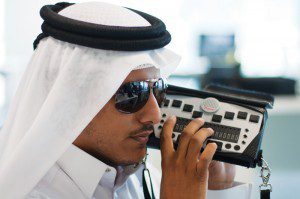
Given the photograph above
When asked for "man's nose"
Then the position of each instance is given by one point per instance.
(150, 112)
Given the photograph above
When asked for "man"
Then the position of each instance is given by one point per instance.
(68, 136)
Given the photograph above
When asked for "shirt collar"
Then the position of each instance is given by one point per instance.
(86, 171)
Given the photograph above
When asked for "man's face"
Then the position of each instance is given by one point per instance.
(112, 136)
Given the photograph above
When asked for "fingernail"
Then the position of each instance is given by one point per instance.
(210, 129)
(200, 119)
(172, 117)
(216, 146)
(213, 143)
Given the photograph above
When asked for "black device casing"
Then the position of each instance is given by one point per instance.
(252, 100)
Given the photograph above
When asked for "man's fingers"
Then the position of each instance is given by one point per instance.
(187, 133)
(205, 159)
(166, 142)
(196, 143)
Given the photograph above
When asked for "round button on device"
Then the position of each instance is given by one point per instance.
(237, 147)
(210, 105)
(227, 146)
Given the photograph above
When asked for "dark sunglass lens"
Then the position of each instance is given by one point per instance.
(159, 91)
(132, 96)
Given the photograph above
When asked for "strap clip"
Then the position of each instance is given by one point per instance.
(265, 174)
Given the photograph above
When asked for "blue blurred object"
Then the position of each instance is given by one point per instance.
(216, 45)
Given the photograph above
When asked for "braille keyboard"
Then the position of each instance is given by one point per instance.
(237, 127)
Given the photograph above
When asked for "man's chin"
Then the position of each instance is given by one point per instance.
(134, 159)
(130, 162)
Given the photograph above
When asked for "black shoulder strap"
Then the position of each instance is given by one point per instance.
(265, 194)
(145, 186)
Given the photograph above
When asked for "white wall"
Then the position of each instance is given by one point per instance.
(267, 31)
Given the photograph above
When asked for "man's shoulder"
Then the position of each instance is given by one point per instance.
(55, 184)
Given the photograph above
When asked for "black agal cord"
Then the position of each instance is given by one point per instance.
(102, 36)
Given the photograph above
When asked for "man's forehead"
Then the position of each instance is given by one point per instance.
(143, 74)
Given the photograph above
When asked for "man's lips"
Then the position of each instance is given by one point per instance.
(142, 137)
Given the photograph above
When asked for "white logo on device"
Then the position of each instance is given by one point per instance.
(210, 105)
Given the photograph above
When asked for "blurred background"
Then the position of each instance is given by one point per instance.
(250, 44)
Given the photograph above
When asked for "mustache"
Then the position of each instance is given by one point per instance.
(148, 127)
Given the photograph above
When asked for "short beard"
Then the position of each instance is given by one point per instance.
(116, 162)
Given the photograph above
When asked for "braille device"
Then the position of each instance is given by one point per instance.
(238, 118)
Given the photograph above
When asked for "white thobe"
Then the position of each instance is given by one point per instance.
(78, 175)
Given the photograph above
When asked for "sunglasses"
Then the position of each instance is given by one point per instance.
(133, 96)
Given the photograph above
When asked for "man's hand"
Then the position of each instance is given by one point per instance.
(185, 171)
(221, 175)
